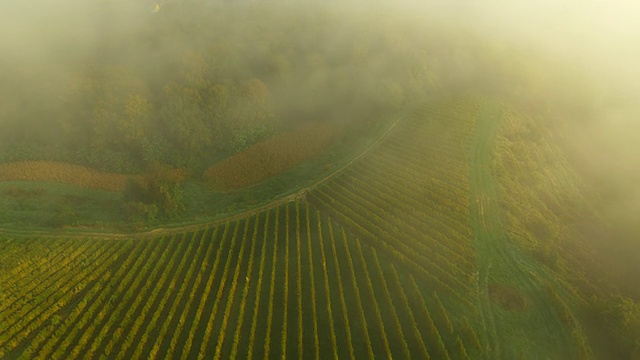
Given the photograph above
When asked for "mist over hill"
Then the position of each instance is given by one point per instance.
(118, 85)
(480, 156)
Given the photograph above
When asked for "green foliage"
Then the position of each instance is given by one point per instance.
(194, 82)
(156, 194)
(462, 352)
(140, 212)
(622, 317)
(470, 335)
(445, 322)
(188, 99)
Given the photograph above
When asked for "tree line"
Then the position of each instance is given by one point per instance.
(193, 83)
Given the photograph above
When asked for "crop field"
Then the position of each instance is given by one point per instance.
(271, 157)
(402, 255)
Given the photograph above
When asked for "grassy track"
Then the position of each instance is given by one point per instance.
(500, 261)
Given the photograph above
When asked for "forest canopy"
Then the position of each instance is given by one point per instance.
(128, 88)
(191, 84)
(117, 86)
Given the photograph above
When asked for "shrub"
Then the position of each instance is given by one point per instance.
(155, 194)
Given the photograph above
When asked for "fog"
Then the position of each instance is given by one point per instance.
(601, 41)
(121, 84)
(598, 42)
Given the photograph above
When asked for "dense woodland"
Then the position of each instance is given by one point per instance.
(188, 85)
(191, 84)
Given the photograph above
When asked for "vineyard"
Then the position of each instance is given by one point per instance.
(401, 255)
(287, 281)
(415, 207)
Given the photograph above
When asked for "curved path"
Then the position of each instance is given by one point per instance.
(301, 193)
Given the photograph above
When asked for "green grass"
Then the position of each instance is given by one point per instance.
(502, 262)
(29, 205)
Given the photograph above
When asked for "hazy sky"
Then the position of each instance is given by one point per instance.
(603, 35)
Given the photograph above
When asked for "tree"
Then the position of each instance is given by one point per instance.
(254, 103)
(183, 116)
(253, 114)
(134, 123)
(155, 194)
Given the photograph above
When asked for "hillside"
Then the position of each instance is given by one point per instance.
(400, 255)
(219, 180)
(203, 89)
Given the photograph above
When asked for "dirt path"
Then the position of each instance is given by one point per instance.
(484, 234)
(162, 231)
(501, 261)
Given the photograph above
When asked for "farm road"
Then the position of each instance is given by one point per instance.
(501, 261)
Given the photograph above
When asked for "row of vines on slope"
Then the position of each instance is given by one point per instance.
(409, 198)
(284, 282)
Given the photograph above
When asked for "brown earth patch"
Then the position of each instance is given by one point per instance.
(271, 157)
(49, 171)
(508, 297)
